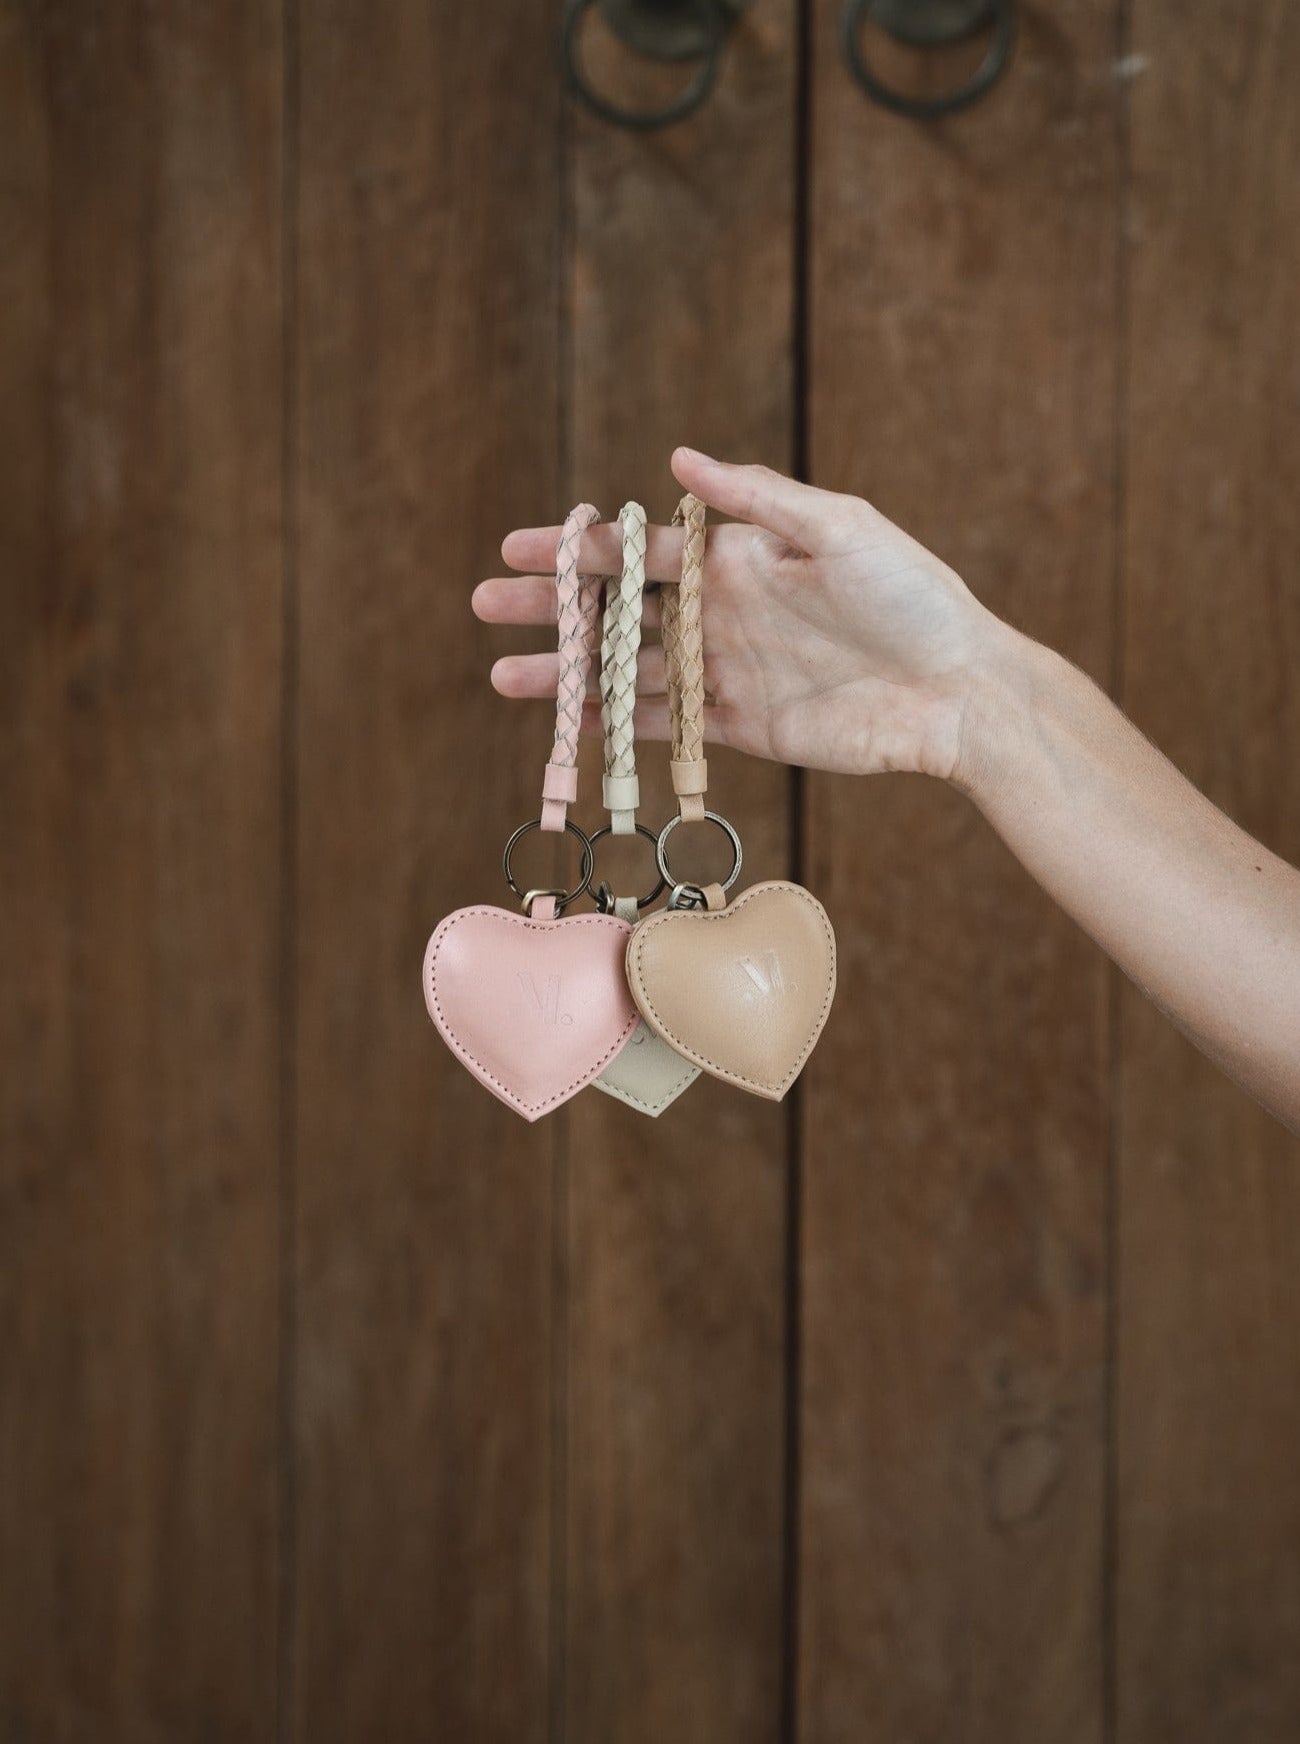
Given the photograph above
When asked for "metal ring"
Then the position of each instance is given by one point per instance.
(661, 849)
(531, 896)
(643, 120)
(562, 898)
(927, 108)
(641, 830)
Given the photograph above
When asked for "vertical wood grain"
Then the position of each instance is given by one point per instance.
(681, 310)
(425, 420)
(1209, 1379)
(139, 853)
(955, 1118)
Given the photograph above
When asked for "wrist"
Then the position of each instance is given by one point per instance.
(1004, 683)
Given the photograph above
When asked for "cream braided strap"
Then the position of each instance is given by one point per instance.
(618, 652)
(682, 629)
(578, 606)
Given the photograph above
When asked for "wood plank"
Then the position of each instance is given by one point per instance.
(139, 869)
(426, 429)
(955, 1122)
(681, 287)
(1209, 1381)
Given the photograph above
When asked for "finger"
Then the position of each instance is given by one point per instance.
(515, 599)
(600, 551)
(530, 599)
(526, 675)
(795, 511)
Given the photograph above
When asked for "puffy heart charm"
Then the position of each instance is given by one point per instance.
(647, 1074)
(744, 991)
(534, 1008)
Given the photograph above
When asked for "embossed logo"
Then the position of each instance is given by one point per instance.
(545, 1002)
(762, 976)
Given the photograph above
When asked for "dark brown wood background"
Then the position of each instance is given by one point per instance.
(960, 1399)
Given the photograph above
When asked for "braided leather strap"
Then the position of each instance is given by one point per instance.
(578, 598)
(618, 652)
(682, 629)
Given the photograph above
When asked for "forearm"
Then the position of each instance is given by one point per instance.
(1203, 918)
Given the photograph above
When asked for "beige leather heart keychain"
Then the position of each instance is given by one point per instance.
(647, 1074)
(536, 1004)
(742, 990)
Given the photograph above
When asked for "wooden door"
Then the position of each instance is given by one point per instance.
(956, 1398)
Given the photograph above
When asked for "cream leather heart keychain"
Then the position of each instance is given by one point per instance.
(742, 991)
(536, 1005)
(647, 1074)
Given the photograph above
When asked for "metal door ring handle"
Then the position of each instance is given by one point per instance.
(714, 23)
(1002, 21)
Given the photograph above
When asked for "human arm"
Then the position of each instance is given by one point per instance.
(835, 641)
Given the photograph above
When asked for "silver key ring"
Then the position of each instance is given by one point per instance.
(562, 897)
(661, 852)
(604, 894)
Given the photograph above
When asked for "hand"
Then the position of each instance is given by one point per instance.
(831, 638)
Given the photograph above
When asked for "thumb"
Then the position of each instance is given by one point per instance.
(795, 511)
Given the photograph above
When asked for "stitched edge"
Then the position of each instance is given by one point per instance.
(459, 1049)
(636, 945)
(654, 1109)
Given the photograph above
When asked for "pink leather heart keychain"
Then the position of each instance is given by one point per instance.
(536, 1004)
(647, 1075)
(742, 991)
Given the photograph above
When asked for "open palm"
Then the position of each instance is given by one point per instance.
(832, 639)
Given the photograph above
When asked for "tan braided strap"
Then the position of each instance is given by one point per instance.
(578, 600)
(682, 629)
(618, 652)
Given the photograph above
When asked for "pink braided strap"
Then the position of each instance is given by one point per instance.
(578, 600)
